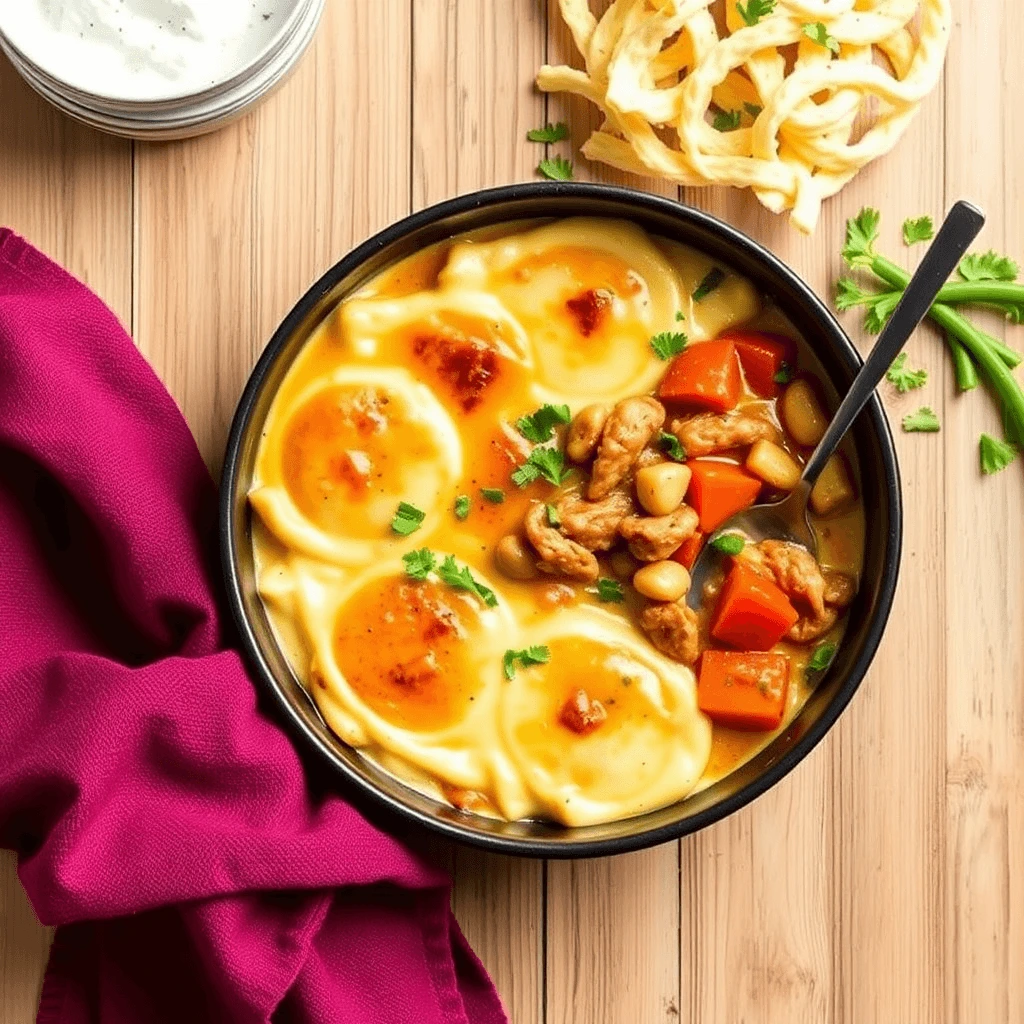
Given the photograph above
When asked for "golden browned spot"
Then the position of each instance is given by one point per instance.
(401, 645)
(589, 309)
(581, 715)
(345, 446)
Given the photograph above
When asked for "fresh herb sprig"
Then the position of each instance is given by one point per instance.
(420, 564)
(986, 279)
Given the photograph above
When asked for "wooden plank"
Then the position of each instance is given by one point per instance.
(612, 925)
(984, 644)
(888, 878)
(473, 103)
(67, 189)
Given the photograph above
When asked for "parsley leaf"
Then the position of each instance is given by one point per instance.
(537, 427)
(712, 279)
(821, 658)
(987, 266)
(408, 519)
(420, 564)
(995, 454)
(784, 374)
(726, 121)
(462, 506)
(495, 495)
(557, 168)
(610, 591)
(729, 543)
(537, 655)
(680, 315)
(549, 133)
(918, 229)
(554, 519)
(861, 234)
(671, 446)
(880, 308)
(924, 421)
(548, 463)
(817, 33)
(901, 378)
(753, 109)
(755, 10)
(668, 344)
(462, 579)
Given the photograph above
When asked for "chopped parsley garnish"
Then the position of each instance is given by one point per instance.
(680, 315)
(817, 33)
(462, 579)
(668, 344)
(821, 658)
(726, 121)
(408, 519)
(902, 379)
(557, 168)
(924, 421)
(536, 655)
(420, 564)
(549, 133)
(546, 463)
(995, 454)
(610, 590)
(671, 446)
(753, 110)
(712, 279)
(495, 495)
(918, 229)
(987, 266)
(784, 374)
(729, 543)
(537, 427)
(554, 519)
(462, 504)
(755, 10)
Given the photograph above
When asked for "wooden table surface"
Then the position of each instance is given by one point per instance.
(884, 879)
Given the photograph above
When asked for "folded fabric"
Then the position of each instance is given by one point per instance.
(161, 820)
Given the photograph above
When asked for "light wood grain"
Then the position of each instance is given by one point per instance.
(882, 881)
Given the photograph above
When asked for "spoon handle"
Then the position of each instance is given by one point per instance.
(959, 229)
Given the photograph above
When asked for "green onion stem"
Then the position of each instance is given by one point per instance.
(977, 343)
(963, 365)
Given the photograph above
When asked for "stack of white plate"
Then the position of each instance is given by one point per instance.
(156, 69)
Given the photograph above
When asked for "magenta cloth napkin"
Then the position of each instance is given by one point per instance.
(161, 821)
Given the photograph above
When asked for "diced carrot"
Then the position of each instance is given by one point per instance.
(687, 552)
(706, 375)
(719, 490)
(753, 614)
(742, 690)
(761, 355)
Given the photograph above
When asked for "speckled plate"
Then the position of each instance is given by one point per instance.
(191, 114)
(148, 51)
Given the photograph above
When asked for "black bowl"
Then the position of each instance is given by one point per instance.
(355, 776)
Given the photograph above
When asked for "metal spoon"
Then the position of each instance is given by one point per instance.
(788, 519)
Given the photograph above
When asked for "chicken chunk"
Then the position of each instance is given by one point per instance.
(809, 628)
(558, 554)
(594, 524)
(630, 427)
(653, 538)
(673, 629)
(710, 433)
(793, 568)
(840, 590)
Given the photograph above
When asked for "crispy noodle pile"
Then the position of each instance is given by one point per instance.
(795, 119)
